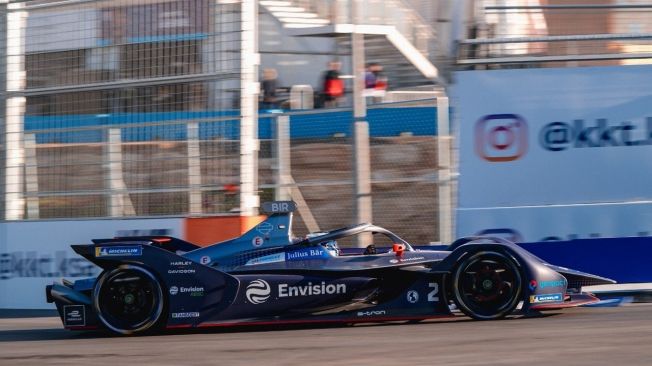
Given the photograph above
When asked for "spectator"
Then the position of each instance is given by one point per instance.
(375, 82)
(269, 87)
(370, 77)
(333, 85)
(381, 79)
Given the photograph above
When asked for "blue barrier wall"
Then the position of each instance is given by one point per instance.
(621, 259)
(383, 122)
(626, 260)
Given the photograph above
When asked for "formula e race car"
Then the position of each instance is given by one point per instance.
(268, 277)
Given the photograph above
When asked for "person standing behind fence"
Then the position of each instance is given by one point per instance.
(375, 82)
(269, 87)
(369, 77)
(332, 85)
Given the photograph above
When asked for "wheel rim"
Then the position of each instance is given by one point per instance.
(488, 285)
(128, 299)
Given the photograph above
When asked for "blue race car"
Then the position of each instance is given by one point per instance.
(268, 277)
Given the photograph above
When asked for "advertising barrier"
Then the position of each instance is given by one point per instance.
(555, 153)
(34, 254)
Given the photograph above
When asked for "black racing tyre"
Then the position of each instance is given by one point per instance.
(487, 285)
(129, 300)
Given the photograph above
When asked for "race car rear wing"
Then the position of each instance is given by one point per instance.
(168, 243)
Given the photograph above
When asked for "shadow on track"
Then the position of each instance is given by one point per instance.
(22, 335)
(47, 334)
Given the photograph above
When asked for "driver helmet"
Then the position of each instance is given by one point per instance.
(331, 248)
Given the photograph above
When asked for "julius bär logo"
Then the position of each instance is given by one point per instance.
(501, 137)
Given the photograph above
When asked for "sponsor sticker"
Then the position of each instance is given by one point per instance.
(185, 315)
(258, 291)
(265, 228)
(181, 263)
(371, 313)
(272, 258)
(538, 299)
(181, 271)
(403, 260)
(257, 241)
(305, 254)
(310, 289)
(74, 315)
(181, 268)
(193, 291)
(412, 297)
(119, 251)
(546, 284)
(205, 260)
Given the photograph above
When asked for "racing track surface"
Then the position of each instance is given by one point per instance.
(585, 336)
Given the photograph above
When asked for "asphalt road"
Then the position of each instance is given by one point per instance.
(584, 336)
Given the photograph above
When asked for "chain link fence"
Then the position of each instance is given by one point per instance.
(190, 166)
(121, 108)
(560, 34)
(317, 169)
(132, 109)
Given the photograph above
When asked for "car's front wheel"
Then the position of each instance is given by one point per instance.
(487, 285)
(129, 300)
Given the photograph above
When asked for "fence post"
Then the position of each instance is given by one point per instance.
(3, 107)
(249, 90)
(361, 160)
(31, 176)
(283, 165)
(194, 169)
(301, 97)
(14, 111)
(285, 185)
(119, 202)
(445, 195)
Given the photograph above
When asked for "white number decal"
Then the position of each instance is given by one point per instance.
(432, 295)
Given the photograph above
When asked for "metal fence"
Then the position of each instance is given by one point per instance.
(142, 108)
(560, 34)
(188, 164)
(310, 159)
(96, 90)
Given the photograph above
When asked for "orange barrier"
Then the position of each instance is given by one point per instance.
(210, 230)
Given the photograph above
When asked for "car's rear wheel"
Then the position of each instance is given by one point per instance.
(129, 300)
(487, 285)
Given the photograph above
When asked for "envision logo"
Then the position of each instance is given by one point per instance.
(193, 291)
(258, 291)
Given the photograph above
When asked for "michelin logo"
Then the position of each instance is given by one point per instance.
(538, 299)
(122, 251)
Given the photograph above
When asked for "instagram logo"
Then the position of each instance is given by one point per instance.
(501, 137)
